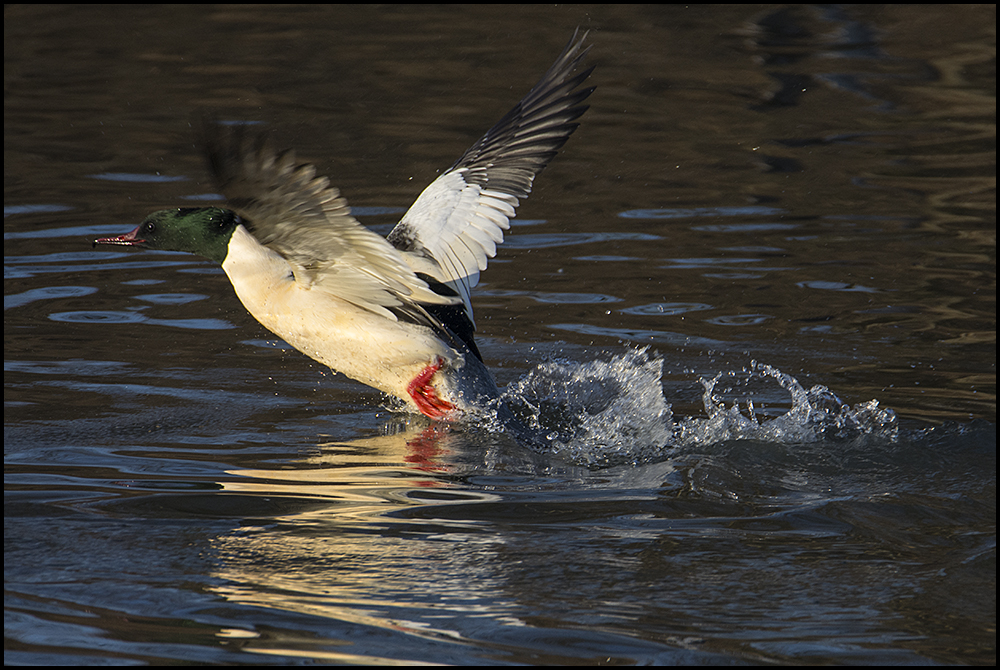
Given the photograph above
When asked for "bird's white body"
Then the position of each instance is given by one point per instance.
(361, 344)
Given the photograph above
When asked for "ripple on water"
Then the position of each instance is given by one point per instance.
(113, 317)
(46, 293)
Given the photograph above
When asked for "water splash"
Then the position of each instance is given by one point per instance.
(611, 412)
(598, 412)
(815, 415)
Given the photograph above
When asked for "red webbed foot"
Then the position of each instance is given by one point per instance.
(425, 396)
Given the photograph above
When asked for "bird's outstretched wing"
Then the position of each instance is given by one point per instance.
(458, 221)
(290, 210)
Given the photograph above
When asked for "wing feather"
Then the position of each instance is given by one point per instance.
(287, 208)
(453, 227)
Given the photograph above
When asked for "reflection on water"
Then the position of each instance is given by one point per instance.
(402, 533)
(794, 205)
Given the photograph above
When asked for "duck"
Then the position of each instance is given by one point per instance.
(394, 312)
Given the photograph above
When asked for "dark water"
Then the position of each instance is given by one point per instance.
(793, 208)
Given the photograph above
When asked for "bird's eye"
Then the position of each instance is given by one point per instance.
(148, 228)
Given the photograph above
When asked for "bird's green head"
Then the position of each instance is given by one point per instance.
(204, 231)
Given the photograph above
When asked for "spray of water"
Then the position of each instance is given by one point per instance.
(608, 412)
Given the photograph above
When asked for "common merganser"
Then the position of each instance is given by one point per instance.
(394, 313)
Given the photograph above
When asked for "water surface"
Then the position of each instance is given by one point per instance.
(750, 307)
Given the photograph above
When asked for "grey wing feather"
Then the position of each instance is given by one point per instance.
(299, 215)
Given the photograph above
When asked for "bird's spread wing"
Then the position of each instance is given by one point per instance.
(299, 215)
(457, 222)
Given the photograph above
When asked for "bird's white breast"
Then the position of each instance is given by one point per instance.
(378, 351)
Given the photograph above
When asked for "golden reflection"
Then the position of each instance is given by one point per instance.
(317, 556)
